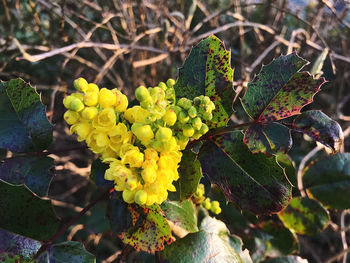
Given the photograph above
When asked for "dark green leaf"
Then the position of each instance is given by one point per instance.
(190, 174)
(25, 214)
(207, 71)
(328, 180)
(279, 90)
(182, 214)
(97, 175)
(118, 214)
(286, 162)
(268, 138)
(210, 244)
(321, 128)
(150, 229)
(17, 245)
(23, 124)
(72, 252)
(305, 216)
(254, 182)
(33, 172)
(286, 259)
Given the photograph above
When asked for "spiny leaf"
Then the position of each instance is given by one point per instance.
(25, 214)
(268, 138)
(207, 71)
(305, 216)
(150, 229)
(328, 180)
(33, 172)
(118, 214)
(254, 182)
(23, 124)
(321, 128)
(190, 174)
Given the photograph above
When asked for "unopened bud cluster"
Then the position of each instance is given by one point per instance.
(199, 198)
(142, 144)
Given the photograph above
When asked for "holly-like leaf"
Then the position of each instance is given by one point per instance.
(150, 229)
(210, 244)
(268, 138)
(25, 214)
(279, 90)
(254, 182)
(15, 245)
(305, 216)
(33, 172)
(97, 174)
(190, 174)
(207, 71)
(181, 214)
(321, 128)
(72, 252)
(328, 180)
(118, 214)
(286, 259)
(23, 125)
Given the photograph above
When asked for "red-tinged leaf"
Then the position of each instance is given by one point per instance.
(254, 182)
(150, 229)
(321, 128)
(207, 71)
(269, 138)
(279, 90)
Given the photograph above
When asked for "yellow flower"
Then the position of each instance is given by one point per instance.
(121, 102)
(119, 135)
(106, 119)
(151, 154)
(143, 132)
(89, 113)
(82, 129)
(136, 114)
(97, 141)
(91, 98)
(71, 117)
(149, 174)
(107, 98)
(133, 157)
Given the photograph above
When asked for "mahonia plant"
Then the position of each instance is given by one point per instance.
(142, 144)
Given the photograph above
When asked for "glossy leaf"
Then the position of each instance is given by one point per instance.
(23, 125)
(207, 71)
(33, 172)
(72, 252)
(182, 214)
(279, 90)
(97, 175)
(286, 259)
(25, 214)
(328, 180)
(16, 245)
(254, 182)
(210, 244)
(118, 214)
(305, 216)
(190, 174)
(268, 138)
(321, 128)
(150, 229)
(286, 162)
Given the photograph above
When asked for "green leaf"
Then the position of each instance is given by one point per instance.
(321, 128)
(286, 259)
(210, 244)
(25, 214)
(281, 238)
(33, 172)
(97, 174)
(268, 138)
(150, 229)
(207, 71)
(23, 124)
(254, 182)
(72, 252)
(328, 180)
(305, 216)
(190, 174)
(182, 214)
(279, 90)
(16, 245)
(287, 164)
(118, 214)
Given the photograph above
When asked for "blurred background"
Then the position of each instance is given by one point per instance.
(124, 44)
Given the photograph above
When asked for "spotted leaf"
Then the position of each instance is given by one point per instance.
(268, 138)
(23, 124)
(254, 182)
(207, 71)
(279, 90)
(149, 231)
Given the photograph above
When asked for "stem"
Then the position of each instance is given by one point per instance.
(64, 228)
(219, 132)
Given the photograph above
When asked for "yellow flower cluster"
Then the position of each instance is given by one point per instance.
(199, 198)
(143, 143)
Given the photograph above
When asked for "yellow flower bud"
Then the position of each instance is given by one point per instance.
(142, 93)
(80, 84)
(67, 100)
(76, 105)
(89, 113)
(164, 134)
(71, 117)
(141, 197)
(151, 154)
(91, 98)
(128, 196)
(170, 117)
(107, 98)
(133, 157)
(143, 132)
(149, 175)
(78, 96)
(92, 87)
(131, 183)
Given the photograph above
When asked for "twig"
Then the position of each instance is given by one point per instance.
(343, 232)
(338, 256)
(262, 56)
(149, 61)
